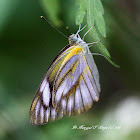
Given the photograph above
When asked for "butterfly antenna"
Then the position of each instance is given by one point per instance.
(54, 26)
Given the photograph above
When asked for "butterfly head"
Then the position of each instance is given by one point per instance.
(75, 39)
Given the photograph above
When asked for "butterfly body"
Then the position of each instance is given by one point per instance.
(70, 86)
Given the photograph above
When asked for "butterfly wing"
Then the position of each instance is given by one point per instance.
(94, 70)
(42, 110)
(68, 88)
(76, 86)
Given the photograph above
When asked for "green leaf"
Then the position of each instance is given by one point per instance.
(81, 11)
(95, 11)
(98, 5)
(98, 12)
(93, 33)
(52, 9)
(113, 63)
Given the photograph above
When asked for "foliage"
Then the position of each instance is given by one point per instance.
(95, 11)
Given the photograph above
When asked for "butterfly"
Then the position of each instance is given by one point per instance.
(70, 85)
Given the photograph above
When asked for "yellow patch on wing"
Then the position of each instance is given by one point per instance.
(74, 50)
(55, 69)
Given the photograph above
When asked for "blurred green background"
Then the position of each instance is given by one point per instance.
(27, 47)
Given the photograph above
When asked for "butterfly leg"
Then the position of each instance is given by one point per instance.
(98, 54)
(87, 32)
(79, 30)
(91, 44)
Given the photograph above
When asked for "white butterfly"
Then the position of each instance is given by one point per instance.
(70, 86)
